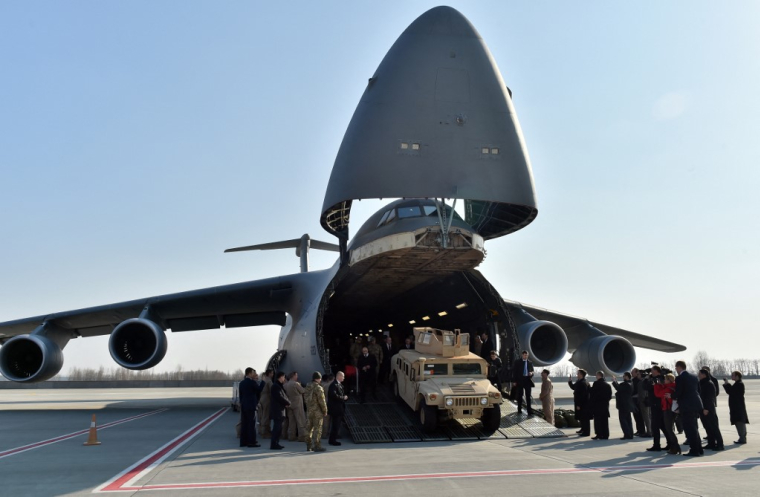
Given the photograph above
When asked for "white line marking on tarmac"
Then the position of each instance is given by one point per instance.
(123, 481)
(36, 445)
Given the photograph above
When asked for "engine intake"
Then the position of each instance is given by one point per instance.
(137, 344)
(30, 358)
(545, 342)
(611, 354)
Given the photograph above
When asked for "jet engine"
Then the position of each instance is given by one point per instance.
(545, 342)
(30, 358)
(137, 344)
(609, 353)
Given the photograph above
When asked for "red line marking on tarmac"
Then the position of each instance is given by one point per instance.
(421, 476)
(24, 448)
(122, 481)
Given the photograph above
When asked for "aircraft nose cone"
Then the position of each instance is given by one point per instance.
(436, 120)
(443, 21)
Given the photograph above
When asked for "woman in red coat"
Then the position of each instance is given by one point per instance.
(663, 391)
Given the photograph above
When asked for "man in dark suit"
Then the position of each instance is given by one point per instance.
(278, 403)
(600, 396)
(580, 399)
(408, 344)
(689, 406)
(522, 378)
(336, 406)
(249, 390)
(485, 350)
(624, 404)
(388, 352)
(709, 415)
(367, 366)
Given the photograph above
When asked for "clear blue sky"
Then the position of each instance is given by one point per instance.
(138, 140)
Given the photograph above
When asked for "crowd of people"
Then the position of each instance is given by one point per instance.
(285, 407)
(659, 402)
(654, 403)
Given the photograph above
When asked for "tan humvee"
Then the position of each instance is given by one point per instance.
(443, 380)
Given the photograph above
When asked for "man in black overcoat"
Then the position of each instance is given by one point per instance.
(736, 406)
(336, 406)
(367, 366)
(522, 378)
(580, 399)
(494, 368)
(709, 414)
(624, 404)
(249, 390)
(689, 406)
(600, 396)
(388, 352)
(278, 403)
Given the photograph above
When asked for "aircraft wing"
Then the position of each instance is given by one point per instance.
(574, 327)
(253, 303)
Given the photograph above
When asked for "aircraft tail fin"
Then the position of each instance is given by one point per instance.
(302, 246)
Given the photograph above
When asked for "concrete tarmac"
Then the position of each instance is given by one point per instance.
(182, 442)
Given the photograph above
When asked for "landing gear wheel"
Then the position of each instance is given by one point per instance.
(428, 418)
(491, 418)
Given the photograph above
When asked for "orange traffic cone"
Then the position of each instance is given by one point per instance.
(93, 438)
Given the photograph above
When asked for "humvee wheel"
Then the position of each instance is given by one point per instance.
(491, 418)
(428, 417)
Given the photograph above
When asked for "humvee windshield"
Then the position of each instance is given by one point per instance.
(435, 369)
(466, 368)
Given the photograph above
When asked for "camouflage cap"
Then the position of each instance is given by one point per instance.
(316, 376)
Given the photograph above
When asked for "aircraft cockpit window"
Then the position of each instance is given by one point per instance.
(404, 212)
(384, 218)
(430, 210)
(391, 216)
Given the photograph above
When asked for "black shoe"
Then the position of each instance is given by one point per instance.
(583, 434)
(335, 443)
(740, 441)
(579, 432)
(680, 432)
(654, 449)
(595, 437)
(718, 448)
(276, 447)
(708, 447)
(685, 442)
(704, 438)
(254, 445)
(691, 453)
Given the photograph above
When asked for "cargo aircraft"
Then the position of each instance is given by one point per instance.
(436, 124)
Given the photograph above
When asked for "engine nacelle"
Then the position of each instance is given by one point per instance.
(137, 344)
(609, 353)
(545, 342)
(30, 358)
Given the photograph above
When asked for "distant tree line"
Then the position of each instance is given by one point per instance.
(121, 374)
(718, 367)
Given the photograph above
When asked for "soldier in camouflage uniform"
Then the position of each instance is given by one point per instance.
(265, 430)
(355, 350)
(316, 410)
